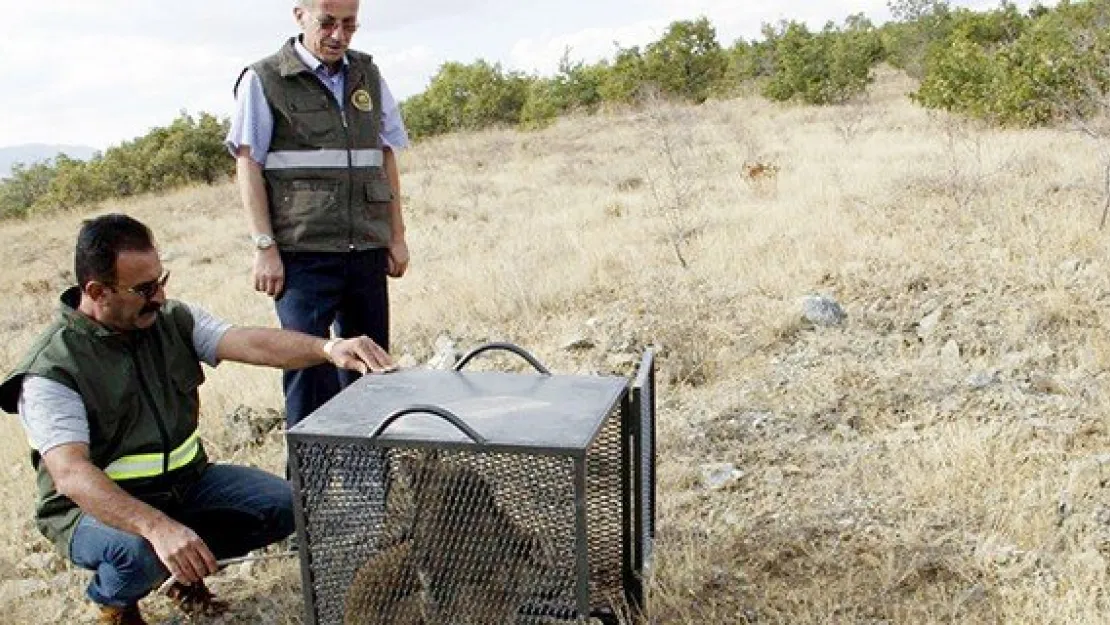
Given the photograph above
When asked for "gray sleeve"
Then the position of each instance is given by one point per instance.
(207, 332)
(52, 414)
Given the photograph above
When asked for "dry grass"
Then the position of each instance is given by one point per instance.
(938, 458)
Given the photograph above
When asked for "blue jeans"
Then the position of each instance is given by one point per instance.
(322, 289)
(234, 509)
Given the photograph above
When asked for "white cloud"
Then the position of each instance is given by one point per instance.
(104, 71)
(591, 45)
(407, 70)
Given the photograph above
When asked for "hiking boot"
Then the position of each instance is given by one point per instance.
(130, 615)
(196, 600)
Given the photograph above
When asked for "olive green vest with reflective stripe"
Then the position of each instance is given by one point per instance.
(140, 394)
(325, 181)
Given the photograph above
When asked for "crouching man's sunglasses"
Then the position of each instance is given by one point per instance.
(149, 289)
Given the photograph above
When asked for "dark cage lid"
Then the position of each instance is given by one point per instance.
(494, 410)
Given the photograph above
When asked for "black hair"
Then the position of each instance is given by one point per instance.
(100, 242)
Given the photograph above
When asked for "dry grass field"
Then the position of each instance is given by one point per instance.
(940, 456)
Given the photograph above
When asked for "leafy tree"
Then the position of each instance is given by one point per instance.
(687, 61)
(25, 186)
(467, 97)
(1022, 70)
(748, 60)
(75, 183)
(188, 151)
(828, 67)
(625, 77)
(545, 102)
(575, 87)
(578, 85)
(917, 25)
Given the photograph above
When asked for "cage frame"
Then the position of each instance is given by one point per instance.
(634, 406)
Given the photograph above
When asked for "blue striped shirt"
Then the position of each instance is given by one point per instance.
(253, 122)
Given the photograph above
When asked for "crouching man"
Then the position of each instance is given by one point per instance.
(108, 398)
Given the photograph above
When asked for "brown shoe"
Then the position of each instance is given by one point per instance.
(120, 616)
(196, 600)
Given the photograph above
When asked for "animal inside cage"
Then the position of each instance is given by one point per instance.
(477, 497)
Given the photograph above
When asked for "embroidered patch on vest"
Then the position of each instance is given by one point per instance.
(361, 100)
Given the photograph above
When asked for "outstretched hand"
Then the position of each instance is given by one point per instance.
(361, 354)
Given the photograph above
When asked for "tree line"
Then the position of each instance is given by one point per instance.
(1005, 66)
(188, 151)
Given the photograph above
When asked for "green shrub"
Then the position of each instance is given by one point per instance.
(1019, 70)
(828, 67)
(466, 97)
(687, 62)
(188, 151)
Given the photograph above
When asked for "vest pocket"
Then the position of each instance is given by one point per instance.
(376, 228)
(300, 200)
(379, 191)
(313, 120)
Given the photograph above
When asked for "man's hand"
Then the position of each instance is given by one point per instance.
(269, 272)
(359, 354)
(398, 258)
(182, 551)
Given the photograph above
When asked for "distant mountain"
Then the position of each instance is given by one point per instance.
(37, 152)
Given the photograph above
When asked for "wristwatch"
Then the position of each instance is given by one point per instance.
(262, 241)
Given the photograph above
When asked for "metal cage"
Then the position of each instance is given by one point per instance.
(477, 498)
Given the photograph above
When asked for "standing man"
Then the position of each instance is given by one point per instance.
(314, 135)
(108, 398)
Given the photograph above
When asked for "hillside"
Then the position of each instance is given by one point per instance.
(938, 456)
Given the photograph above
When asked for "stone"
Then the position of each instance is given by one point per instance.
(950, 353)
(774, 476)
(928, 324)
(821, 310)
(446, 354)
(720, 475)
(250, 426)
(981, 379)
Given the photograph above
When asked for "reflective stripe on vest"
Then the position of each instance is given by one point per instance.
(150, 465)
(323, 159)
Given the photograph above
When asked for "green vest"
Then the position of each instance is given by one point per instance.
(325, 180)
(140, 394)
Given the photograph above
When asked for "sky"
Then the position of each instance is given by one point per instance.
(100, 72)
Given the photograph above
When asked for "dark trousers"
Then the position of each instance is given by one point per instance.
(344, 290)
(234, 509)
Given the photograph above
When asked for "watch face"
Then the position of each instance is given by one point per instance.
(263, 241)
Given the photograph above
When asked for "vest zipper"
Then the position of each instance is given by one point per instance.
(154, 409)
(350, 182)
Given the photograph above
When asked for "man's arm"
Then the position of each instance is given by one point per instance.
(178, 547)
(394, 138)
(398, 248)
(269, 273)
(286, 349)
(248, 140)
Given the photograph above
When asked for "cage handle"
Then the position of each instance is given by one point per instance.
(442, 413)
(509, 347)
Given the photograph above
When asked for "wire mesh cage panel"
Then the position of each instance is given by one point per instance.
(470, 498)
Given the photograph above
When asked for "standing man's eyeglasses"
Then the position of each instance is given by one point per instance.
(149, 289)
(329, 23)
